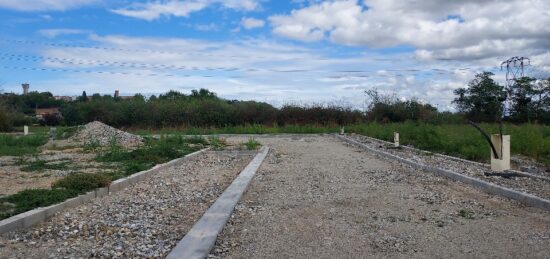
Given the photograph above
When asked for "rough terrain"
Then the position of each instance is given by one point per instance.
(315, 197)
(144, 220)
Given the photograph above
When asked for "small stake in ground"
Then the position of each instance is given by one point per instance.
(502, 146)
(396, 139)
(26, 130)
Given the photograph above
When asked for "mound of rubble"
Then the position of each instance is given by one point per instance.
(98, 133)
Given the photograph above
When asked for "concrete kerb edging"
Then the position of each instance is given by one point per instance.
(35, 216)
(198, 241)
(487, 187)
(458, 159)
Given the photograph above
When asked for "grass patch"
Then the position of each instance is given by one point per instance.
(65, 132)
(30, 199)
(463, 140)
(21, 145)
(251, 144)
(41, 166)
(217, 143)
(154, 152)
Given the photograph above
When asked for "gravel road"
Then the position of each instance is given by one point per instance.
(144, 220)
(316, 197)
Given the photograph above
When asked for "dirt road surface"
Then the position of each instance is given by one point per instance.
(316, 197)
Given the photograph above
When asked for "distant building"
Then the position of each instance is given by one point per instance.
(25, 88)
(64, 98)
(117, 95)
(43, 112)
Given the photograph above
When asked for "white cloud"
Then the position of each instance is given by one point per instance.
(53, 33)
(439, 29)
(45, 5)
(252, 23)
(156, 9)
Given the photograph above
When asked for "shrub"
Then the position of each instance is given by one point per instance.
(82, 182)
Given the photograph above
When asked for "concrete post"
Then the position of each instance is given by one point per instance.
(342, 130)
(26, 130)
(503, 150)
(396, 139)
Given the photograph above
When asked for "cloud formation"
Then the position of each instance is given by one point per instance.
(252, 23)
(153, 10)
(439, 29)
(45, 5)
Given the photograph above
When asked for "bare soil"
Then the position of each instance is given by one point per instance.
(13, 180)
(316, 197)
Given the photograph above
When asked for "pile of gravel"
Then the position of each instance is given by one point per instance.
(102, 134)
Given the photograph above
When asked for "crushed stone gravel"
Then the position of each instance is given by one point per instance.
(535, 186)
(144, 220)
(103, 134)
(316, 197)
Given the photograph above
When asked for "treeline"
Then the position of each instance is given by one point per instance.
(201, 108)
(527, 100)
(481, 101)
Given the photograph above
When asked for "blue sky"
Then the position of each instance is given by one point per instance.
(275, 51)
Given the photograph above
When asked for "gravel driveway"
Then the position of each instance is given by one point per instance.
(316, 197)
(144, 220)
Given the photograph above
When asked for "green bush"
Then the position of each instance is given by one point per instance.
(82, 182)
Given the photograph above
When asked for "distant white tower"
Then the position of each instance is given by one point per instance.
(25, 88)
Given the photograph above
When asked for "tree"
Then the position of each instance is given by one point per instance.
(482, 100)
(83, 97)
(541, 100)
(521, 93)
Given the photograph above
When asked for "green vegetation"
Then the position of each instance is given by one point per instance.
(462, 140)
(30, 199)
(251, 144)
(154, 152)
(41, 165)
(65, 132)
(245, 129)
(83, 182)
(21, 145)
(217, 143)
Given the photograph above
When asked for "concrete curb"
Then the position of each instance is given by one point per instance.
(35, 216)
(487, 187)
(458, 159)
(198, 242)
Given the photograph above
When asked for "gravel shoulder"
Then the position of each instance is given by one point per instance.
(316, 197)
(144, 220)
(531, 185)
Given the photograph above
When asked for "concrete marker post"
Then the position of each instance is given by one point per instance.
(396, 139)
(502, 146)
(26, 130)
